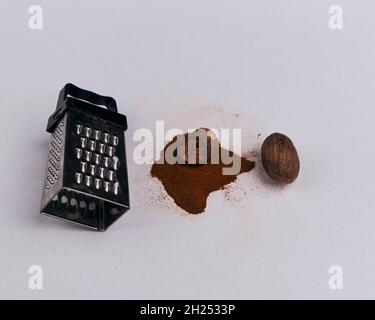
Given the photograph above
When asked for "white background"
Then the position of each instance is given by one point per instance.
(261, 66)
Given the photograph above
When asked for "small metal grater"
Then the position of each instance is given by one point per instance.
(86, 179)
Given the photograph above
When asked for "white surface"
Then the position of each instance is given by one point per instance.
(197, 63)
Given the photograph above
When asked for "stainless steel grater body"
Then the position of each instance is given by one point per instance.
(86, 178)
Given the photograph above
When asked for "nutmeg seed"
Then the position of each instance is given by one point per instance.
(202, 140)
(280, 158)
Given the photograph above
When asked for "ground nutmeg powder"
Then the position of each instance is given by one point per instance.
(190, 185)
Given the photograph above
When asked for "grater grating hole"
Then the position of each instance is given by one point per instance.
(115, 140)
(106, 162)
(110, 175)
(107, 185)
(64, 199)
(79, 128)
(97, 183)
(88, 181)
(106, 136)
(97, 134)
(116, 188)
(87, 155)
(101, 172)
(97, 158)
(92, 170)
(92, 145)
(88, 131)
(83, 142)
(101, 148)
(110, 151)
(115, 163)
(78, 177)
(82, 204)
(78, 152)
(83, 166)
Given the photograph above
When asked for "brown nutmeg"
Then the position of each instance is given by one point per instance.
(197, 147)
(280, 158)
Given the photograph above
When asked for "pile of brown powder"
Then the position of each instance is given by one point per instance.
(190, 185)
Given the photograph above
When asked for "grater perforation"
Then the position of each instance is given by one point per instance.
(54, 159)
(98, 160)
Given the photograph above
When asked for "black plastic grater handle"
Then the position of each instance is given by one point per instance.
(73, 97)
(86, 95)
